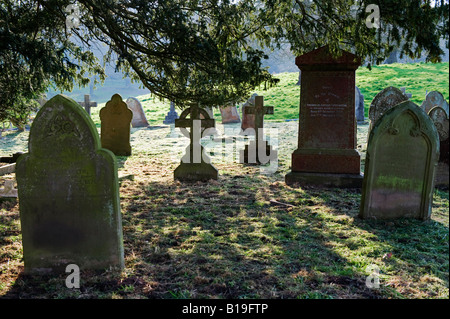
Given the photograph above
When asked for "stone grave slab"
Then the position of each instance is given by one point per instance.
(383, 102)
(434, 98)
(326, 154)
(68, 193)
(139, 118)
(441, 122)
(115, 126)
(229, 114)
(401, 158)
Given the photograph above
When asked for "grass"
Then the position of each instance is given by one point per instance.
(226, 239)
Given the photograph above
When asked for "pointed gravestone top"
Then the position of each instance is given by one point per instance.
(68, 192)
(323, 58)
(401, 157)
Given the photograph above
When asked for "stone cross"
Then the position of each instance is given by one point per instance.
(172, 115)
(259, 110)
(87, 104)
(195, 165)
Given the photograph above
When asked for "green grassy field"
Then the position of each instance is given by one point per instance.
(417, 78)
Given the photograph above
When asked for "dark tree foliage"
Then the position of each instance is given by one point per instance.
(206, 51)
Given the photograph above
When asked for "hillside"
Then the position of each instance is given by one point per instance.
(417, 78)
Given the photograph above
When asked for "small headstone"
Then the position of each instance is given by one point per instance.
(326, 154)
(401, 158)
(115, 126)
(195, 164)
(68, 193)
(229, 114)
(441, 122)
(383, 102)
(8, 190)
(359, 106)
(434, 98)
(172, 115)
(248, 120)
(258, 151)
(87, 104)
(139, 119)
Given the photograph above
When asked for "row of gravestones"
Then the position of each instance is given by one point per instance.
(68, 184)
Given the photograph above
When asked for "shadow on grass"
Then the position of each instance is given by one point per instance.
(224, 239)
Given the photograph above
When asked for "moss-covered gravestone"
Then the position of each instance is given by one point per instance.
(68, 193)
(401, 159)
(116, 125)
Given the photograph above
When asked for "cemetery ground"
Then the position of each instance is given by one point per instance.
(248, 234)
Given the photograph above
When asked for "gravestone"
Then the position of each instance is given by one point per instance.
(68, 193)
(248, 120)
(87, 104)
(441, 122)
(172, 115)
(326, 153)
(8, 190)
(434, 98)
(195, 164)
(229, 114)
(258, 151)
(359, 106)
(115, 120)
(139, 119)
(383, 102)
(401, 158)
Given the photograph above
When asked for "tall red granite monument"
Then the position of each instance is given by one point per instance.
(326, 153)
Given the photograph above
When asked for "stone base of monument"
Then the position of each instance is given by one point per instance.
(244, 157)
(193, 172)
(324, 179)
(326, 167)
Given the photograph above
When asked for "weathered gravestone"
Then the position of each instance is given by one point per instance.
(326, 153)
(8, 190)
(401, 158)
(359, 106)
(172, 115)
(139, 119)
(248, 120)
(258, 151)
(383, 102)
(195, 164)
(87, 104)
(434, 98)
(68, 193)
(115, 126)
(441, 122)
(229, 114)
